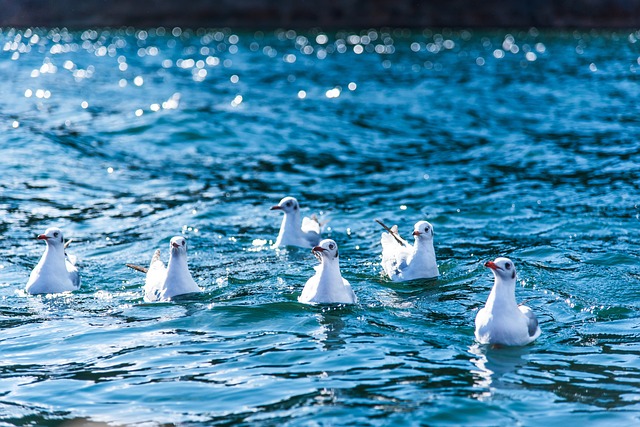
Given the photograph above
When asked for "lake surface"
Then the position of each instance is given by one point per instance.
(523, 144)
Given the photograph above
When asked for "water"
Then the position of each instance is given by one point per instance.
(519, 144)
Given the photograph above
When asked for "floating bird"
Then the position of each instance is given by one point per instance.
(291, 232)
(162, 283)
(502, 321)
(55, 272)
(402, 261)
(327, 285)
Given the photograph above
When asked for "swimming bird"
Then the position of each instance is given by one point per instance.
(291, 232)
(162, 283)
(55, 272)
(401, 261)
(327, 285)
(502, 321)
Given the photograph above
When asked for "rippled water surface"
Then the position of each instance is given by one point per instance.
(519, 144)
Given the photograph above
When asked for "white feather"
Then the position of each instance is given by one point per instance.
(55, 272)
(163, 283)
(404, 262)
(327, 286)
(501, 320)
(293, 231)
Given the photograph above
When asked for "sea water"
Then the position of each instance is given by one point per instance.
(522, 144)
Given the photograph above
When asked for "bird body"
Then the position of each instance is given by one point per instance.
(55, 272)
(502, 321)
(402, 262)
(293, 231)
(327, 285)
(163, 283)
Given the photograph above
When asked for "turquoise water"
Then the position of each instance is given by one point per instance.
(518, 144)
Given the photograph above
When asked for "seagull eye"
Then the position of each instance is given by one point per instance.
(332, 246)
(507, 266)
(184, 242)
(55, 234)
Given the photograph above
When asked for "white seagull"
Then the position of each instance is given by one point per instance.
(162, 283)
(403, 262)
(55, 272)
(291, 232)
(327, 285)
(502, 321)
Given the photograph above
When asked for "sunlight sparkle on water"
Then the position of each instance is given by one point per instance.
(237, 101)
(357, 123)
(333, 93)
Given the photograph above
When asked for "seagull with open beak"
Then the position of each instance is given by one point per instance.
(327, 286)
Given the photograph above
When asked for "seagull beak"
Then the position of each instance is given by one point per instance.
(275, 208)
(416, 233)
(42, 237)
(318, 249)
(175, 245)
(492, 265)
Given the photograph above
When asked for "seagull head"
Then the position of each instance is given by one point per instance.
(502, 268)
(327, 249)
(178, 245)
(423, 230)
(53, 237)
(288, 205)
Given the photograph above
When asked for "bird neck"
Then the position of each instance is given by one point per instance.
(423, 246)
(177, 262)
(503, 295)
(290, 231)
(290, 221)
(54, 255)
(330, 269)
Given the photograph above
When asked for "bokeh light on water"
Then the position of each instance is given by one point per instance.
(520, 143)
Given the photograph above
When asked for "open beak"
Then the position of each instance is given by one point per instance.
(42, 237)
(317, 251)
(492, 265)
(416, 233)
(275, 208)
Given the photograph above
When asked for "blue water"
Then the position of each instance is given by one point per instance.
(519, 144)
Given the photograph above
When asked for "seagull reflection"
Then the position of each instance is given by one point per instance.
(497, 366)
(330, 331)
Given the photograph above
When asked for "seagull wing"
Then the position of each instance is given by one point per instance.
(351, 296)
(394, 255)
(70, 263)
(155, 278)
(310, 288)
(74, 276)
(311, 229)
(532, 321)
(310, 224)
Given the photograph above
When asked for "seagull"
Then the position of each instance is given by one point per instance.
(327, 285)
(162, 283)
(291, 233)
(55, 272)
(401, 261)
(502, 321)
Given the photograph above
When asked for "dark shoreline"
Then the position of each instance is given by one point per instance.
(333, 14)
